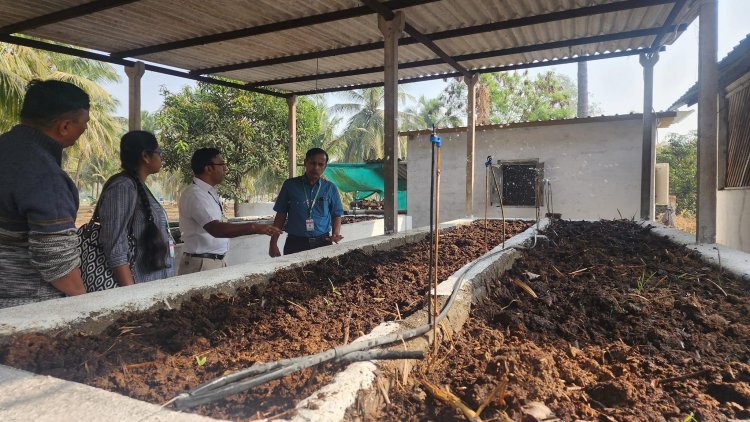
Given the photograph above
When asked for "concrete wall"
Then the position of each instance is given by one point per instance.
(255, 209)
(594, 168)
(733, 218)
(254, 248)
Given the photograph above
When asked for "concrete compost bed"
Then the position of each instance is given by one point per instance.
(156, 355)
(627, 326)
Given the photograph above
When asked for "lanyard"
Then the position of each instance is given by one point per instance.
(215, 200)
(310, 204)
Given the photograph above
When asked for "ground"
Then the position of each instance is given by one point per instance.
(154, 356)
(626, 327)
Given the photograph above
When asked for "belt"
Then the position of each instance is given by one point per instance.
(313, 240)
(205, 255)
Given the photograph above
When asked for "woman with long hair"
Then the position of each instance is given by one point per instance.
(128, 213)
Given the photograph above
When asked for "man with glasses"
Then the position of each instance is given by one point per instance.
(203, 227)
(39, 256)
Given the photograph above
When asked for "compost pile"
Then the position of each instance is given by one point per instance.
(157, 355)
(627, 327)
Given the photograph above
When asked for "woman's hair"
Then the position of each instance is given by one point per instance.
(132, 146)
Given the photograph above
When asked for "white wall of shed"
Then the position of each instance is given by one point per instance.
(733, 218)
(594, 168)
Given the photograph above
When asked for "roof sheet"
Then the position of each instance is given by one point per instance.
(731, 67)
(522, 34)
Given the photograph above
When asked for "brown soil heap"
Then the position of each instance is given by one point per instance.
(156, 355)
(627, 327)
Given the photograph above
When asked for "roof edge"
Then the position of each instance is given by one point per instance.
(597, 119)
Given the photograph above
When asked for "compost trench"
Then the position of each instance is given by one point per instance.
(155, 356)
(627, 327)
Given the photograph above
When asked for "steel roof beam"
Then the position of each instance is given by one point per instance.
(414, 32)
(57, 48)
(63, 15)
(482, 55)
(268, 28)
(676, 9)
(488, 70)
(452, 33)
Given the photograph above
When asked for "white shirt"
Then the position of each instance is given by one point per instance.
(200, 205)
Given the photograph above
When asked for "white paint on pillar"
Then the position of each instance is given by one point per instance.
(392, 31)
(471, 132)
(708, 89)
(292, 126)
(135, 73)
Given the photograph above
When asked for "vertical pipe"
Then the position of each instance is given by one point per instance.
(436, 254)
(708, 89)
(391, 30)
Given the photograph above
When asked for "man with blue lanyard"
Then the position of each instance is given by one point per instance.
(311, 208)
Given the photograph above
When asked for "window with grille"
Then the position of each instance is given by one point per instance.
(518, 183)
(738, 132)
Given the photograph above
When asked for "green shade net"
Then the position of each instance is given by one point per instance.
(366, 179)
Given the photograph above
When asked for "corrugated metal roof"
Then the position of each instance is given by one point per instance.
(270, 32)
(731, 67)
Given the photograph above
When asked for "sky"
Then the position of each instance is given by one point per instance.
(615, 85)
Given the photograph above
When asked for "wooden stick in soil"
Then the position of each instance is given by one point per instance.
(346, 330)
(686, 376)
(498, 391)
(437, 248)
(451, 400)
(502, 209)
(486, 200)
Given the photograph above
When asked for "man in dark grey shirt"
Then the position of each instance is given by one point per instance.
(38, 202)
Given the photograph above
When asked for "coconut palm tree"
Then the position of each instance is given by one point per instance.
(428, 113)
(363, 135)
(19, 65)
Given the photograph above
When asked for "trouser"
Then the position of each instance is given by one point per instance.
(193, 264)
(296, 244)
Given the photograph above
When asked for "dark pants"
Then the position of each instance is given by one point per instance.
(296, 244)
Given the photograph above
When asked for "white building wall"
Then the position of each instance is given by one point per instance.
(594, 168)
(733, 218)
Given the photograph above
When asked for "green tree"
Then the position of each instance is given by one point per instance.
(363, 135)
(19, 65)
(249, 128)
(508, 97)
(429, 113)
(681, 152)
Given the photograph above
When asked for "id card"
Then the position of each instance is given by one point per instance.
(309, 224)
(171, 247)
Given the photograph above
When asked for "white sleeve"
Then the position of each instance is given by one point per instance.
(202, 208)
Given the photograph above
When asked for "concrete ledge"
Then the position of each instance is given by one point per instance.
(28, 397)
(730, 260)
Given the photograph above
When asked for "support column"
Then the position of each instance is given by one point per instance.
(708, 90)
(583, 89)
(471, 132)
(291, 101)
(648, 157)
(135, 73)
(391, 30)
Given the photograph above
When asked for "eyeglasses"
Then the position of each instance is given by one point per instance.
(156, 151)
